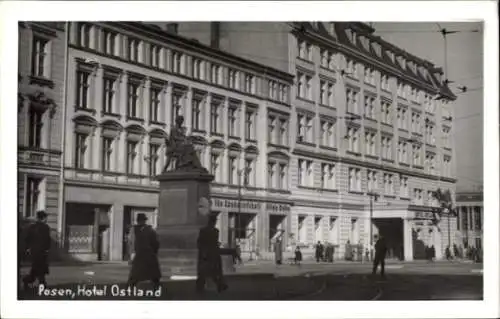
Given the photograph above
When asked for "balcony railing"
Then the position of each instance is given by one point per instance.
(40, 157)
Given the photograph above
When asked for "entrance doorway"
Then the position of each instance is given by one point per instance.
(242, 231)
(276, 230)
(392, 230)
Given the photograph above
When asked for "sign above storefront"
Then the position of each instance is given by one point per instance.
(423, 215)
(233, 204)
(277, 208)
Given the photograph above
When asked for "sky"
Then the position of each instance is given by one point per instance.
(465, 67)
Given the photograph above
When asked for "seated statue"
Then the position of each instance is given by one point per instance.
(181, 155)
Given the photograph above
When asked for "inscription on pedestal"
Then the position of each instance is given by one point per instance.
(173, 206)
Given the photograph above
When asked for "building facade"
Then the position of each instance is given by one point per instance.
(127, 82)
(40, 114)
(470, 219)
(371, 123)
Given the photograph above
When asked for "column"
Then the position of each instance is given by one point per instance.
(116, 231)
(408, 239)
(168, 106)
(242, 123)
(188, 110)
(225, 112)
(208, 152)
(96, 148)
(224, 163)
(144, 164)
(146, 100)
(122, 151)
(98, 90)
(122, 104)
(206, 119)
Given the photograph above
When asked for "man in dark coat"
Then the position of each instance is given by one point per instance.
(319, 252)
(380, 252)
(145, 245)
(38, 245)
(209, 259)
(278, 252)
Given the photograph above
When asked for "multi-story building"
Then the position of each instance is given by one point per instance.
(470, 219)
(370, 122)
(126, 84)
(40, 114)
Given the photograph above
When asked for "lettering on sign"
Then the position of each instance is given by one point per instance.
(423, 215)
(280, 208)
(228, 203)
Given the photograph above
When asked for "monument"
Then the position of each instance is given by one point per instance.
(184, 183)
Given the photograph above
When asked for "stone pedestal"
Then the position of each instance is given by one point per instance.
(179, 221)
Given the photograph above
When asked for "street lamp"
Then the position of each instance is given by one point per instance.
(244, 171)
(373, 197)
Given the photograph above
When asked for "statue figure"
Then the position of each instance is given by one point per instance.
(181, 154)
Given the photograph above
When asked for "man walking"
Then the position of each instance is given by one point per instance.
(38, 245)
(278, 252)
(209, 259)
(319, 252)
(144, 245)
(380, 252)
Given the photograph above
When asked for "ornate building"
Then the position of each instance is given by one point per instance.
(126, 84)
(40, 114)
(372, 127)
(470, 219)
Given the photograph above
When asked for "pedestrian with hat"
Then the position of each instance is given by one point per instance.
(144, 243)
(38, 245)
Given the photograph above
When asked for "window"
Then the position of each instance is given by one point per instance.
(249, 125)
(233, 79)
(372, 181)
(109, 42)
(283, 93)
(352, 101)
(370, 107)
(430, 163)
(403, 152)
(133, 50)
(282, 179)
(384, 82)
(401, 90)
(233, 171)
(354, 179)
(155, 56)
(133, 99)
(80, 150)
(324, 58)
(249, 83)
(84, 35)
(154, 107)
(418, 196)
(369, 76)
(249, 168)
(305, 50)
(109, 85)
(370, 143)
(177, 103)
(196, 114)
(41, 57)
(386, 147)
(35, 128)
(33, 190)
(353, 138)
(308, 83)
(271, 175)
(153, 159)
(385, 110)
(83, 88)
(305, 172)
(328, 176)
(403, 186)
(232, 121)
(197, 69)
(304, 86)
(215, 167)
(415, 122)
(106, 155)
(478, 225)
(322, 92)
(388, 184)
(429, 134)
(402, 123)
(416, 155)
(283, 132)
(271, 129)
(131, 156)
(214, 117)
(214, 74)
(176, 62)
(447, 166)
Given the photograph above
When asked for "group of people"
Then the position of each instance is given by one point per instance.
(144, 261)
(324, 252)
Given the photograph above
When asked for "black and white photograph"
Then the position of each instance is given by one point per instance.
(207, 157)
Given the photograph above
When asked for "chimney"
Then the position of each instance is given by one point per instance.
(215, 35)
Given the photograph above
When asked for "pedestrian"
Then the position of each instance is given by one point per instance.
(330, 252)
(380, 253)
(455, 251)
(37, 247)
(298, 256)
(433, 252)
(448, 253)
(319, 252)
(237, 255)
(144, 245)
(278, 252)
(367, 255)
(348, 251)
(209, 259)
(326, 252)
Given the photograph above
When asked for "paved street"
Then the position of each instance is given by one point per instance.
(310, 281)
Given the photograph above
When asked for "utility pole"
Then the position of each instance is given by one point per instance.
(373, 196)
